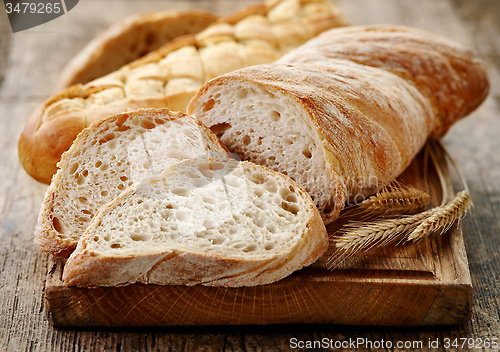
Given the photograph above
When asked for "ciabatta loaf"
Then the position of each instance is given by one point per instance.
(105, 159)
(215, 222)
(346, 113)
(170, 76)
(130, 39)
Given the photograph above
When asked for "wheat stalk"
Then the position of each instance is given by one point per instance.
(363, 236)
(443, 217)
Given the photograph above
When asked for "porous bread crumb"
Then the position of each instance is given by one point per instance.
(212, 221)
(106, 159)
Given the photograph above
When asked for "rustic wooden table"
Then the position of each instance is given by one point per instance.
(30, 62)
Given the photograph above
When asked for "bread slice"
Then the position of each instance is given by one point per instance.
(130, 39)
(215, 222)
(105, 159)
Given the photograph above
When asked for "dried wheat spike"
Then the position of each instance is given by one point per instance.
(365, 236)
(442, 218)
(397, 198)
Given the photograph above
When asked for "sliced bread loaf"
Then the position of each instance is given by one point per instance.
(105, 159)
(215, 222)
(346, 113)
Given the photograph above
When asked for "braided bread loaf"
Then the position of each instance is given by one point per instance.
(171, 75)
(131, 39)
(344, 114)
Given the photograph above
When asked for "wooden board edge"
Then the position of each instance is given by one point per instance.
(305, 297)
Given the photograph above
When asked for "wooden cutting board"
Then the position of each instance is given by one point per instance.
(412, 284)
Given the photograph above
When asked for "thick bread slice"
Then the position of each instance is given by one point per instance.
(130, 39)
(344, 117)
(170, 76)
(215, 222)
(105, 159)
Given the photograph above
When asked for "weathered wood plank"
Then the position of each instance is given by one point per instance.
(474, 143)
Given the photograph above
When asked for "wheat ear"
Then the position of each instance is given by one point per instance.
(397, 198)
(363, 236)
(443, 217)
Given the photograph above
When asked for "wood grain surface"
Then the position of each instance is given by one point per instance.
(30, 62)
